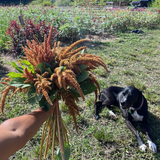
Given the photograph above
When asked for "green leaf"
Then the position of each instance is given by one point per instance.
(82, 67)
(47, 65)
(33, 100)
(31, 91)
(83, 76)
(41, 67)
(49, 71)
(17, 67)
(44, 104)
(66, 152)
(25, 85)
(28, 64)
(13, 75)
(62, 68)
(86, 87)
(19, 82)
(52, 91)
(22, 66)
(33, 97)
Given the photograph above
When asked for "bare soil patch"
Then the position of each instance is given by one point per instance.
(6, 66)
(102, 37)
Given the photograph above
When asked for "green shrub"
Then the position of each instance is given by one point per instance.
(155, 4)
(47, 3)
(43, 2)
(20, 34)
(63, 2)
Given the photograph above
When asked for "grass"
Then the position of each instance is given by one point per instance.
(132, 59)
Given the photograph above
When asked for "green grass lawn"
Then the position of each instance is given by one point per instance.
(132, 59)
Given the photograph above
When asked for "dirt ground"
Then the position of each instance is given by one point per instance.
(101, 38)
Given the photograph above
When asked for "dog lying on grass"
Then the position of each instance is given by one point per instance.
(133, 107)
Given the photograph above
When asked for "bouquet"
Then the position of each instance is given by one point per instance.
(49, 73)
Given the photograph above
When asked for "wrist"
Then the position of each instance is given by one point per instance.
(48, 113)
(41, 111)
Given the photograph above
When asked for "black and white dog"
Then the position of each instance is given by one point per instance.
(133, 107)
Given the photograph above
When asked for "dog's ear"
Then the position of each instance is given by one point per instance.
(98, 103)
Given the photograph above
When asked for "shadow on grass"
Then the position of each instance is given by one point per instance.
(154, 128)
(96, 45)
(82, 124)
(3, 71)
(154, 125)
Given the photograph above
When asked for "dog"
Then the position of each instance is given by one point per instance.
(133, 107)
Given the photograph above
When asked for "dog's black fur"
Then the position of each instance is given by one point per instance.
(133, 107)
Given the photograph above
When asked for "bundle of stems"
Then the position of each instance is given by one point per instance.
(53, 124)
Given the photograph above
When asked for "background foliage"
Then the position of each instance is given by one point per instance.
(58, 2)
(73, 23)
(16, 2)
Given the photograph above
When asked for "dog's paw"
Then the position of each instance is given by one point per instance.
(112, 115)
(142, 147)
(152, 146)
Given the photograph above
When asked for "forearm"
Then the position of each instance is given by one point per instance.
(15, 132)
(27, 125)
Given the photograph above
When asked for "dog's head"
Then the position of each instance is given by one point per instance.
(128, 96)
(97, 109)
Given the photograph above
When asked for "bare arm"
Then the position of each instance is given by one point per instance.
(15, 132)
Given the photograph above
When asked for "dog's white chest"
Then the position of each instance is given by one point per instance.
(136, 116)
